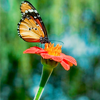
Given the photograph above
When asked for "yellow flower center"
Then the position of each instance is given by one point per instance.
(55, 51)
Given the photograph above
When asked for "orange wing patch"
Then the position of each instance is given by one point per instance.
(30, 31)
(25, 6)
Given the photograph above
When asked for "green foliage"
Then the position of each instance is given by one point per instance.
(17, 69)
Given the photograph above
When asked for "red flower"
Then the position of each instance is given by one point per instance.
(54, 53)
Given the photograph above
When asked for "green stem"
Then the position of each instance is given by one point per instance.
(46, 72)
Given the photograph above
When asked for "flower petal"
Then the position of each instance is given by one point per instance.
(65, 64)
(41, 51)
(35, 50)
(71, 64)
(45, 55)
(31, 50)
(69, 59)
(57, 58)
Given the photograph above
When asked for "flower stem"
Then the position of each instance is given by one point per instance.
(46, 72)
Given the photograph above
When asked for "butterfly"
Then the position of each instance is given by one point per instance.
(31, 28)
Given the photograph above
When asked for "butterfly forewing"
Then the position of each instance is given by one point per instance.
(25, 6)
(27, 9)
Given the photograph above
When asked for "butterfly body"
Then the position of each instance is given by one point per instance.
(31, 28)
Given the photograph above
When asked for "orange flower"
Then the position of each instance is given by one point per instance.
(53, 53)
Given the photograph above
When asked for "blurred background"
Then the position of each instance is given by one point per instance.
(74, 22)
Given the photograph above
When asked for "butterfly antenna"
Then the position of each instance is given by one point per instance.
(57, 41)
(41, 45)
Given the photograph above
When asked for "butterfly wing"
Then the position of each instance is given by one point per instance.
(27, 9)
(29, 30)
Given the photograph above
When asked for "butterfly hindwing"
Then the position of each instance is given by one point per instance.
(29, 30)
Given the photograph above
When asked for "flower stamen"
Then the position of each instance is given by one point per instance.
(55, 51)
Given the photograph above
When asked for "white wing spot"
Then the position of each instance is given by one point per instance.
(22, 18)
(19, 23)
(38, 15)
(30, 10)
(23, 13)
(26, 11)
(35, 17)
(35, 11)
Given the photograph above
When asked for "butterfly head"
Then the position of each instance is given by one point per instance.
(44, 40)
